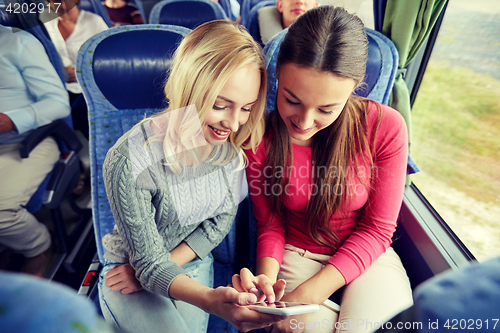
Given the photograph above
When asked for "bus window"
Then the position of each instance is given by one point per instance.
(456, 121)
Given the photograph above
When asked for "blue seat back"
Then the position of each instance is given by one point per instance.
(139, 5)
(226, 6)
(122, 72)
(186, 13)
(30, 23)
(246, 7)
(96, 7)
(381, 67)
(252, 21)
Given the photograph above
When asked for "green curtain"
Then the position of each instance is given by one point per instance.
(408, 24)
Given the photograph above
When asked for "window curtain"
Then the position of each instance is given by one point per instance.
(408, 24)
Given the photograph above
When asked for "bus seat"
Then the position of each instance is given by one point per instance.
(381, 67)
(32, 305)
(122, 72)
(147, 5)
(96, 7)
(246, 7)
(381, 70)
(465, 298)
(186, 13)
(58, 184)
(139, 5)
(252, 21)
(226, 6)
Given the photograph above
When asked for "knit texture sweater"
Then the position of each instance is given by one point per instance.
(155, 209)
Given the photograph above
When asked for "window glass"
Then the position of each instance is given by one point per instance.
(456, 125)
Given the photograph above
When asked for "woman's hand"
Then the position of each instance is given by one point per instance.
(230, 305)
(261, 285)
(122, 277)
(292, 324)
(71, 73)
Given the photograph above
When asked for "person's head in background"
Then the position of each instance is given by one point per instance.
(291, 9)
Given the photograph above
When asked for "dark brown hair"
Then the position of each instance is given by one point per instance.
(328, 39)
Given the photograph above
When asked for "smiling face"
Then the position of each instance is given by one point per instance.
(309, 100)
(292, 9)
(233, 104)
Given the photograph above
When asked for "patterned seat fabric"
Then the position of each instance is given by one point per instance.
(186, 13)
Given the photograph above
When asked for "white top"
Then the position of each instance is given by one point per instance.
(87, 25)
(31, 92)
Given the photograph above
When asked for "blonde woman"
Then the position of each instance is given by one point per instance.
(173, 184)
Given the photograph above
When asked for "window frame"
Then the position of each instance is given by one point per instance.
(441, 249)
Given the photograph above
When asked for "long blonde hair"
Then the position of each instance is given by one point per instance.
(202, 64)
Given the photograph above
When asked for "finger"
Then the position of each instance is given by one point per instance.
(240, 298)
(253, 316)
(118, 286)
(247, 279)
(112, 281)
(127, 290)
(279, 288)
(268, 290)
(131, 289)
(237, 283)
(112, 272)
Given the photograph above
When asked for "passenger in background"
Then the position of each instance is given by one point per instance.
(273, 19)
(31, 95)
(174, 185)
(68, 32)
(122, 12)
(327, 183)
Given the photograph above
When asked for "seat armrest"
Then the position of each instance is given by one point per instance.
(58, 129)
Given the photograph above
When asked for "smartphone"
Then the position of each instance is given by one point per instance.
(284, 308)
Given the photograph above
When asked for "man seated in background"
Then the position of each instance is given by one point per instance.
(68, 32)
(123, 13)
(31, 95)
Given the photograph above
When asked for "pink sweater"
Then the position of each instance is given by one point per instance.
(363, 238)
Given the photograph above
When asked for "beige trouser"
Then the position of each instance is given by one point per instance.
(19, 180)
(378, 294)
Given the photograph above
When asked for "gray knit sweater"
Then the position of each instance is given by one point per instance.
(155, 210)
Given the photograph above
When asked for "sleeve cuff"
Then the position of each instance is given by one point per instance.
(162, 286)
(23, 119)
(199, 243)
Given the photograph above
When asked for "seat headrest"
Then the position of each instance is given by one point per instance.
(186, 13)
(381, 67)
(373, 68)
(4, 18)
(22, 20)
(87, 6)
(130, 68)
